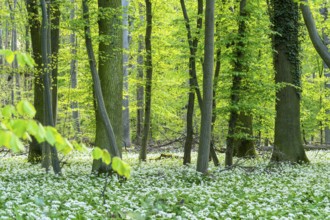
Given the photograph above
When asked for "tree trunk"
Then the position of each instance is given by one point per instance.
(73, 74)
(288, 141)
(148, 66)
(112, 148)
(206, 119)
(111, 76)
(35, 152)
(49, 120)
(126, 116)
(244, 145)
(55, 38)
(193, 83)
(240, 68)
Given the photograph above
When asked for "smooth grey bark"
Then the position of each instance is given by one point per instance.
(49, 120)
(126, 116)
(112, 148)
(149, 69)
(74, 74)
(206, 119)
(35, 148)
(319, 46)
(110, 71)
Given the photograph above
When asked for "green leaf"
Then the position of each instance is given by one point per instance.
(106, 158)
(20, 59)
(64, 148)
(5, 137)
(26, 108)
(8, 111)
(28, 60)
(19, 127)
(50, 135)
(9, 56)
(79, 147)
(16, 144)
(97, 153)
(122, 168)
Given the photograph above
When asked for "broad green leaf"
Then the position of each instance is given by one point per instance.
(8, 111)
(97, 153)
(28, 59)
(122, 168)
(5, 137)
(79, 147)
(106, 158)
(20, 59)
(26, 108)
(66, 147)
(19, 127)
(16, 144)
(9, 56)
(50, 135)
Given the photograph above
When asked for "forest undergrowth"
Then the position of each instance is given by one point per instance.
(164, 189)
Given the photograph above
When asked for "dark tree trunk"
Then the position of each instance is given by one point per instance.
(148, 66)
(206, 119)
(288, 141)
(55, 38)
(35, 152)
(49, 120)
(102, 111)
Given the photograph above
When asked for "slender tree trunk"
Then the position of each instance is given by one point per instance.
(206, 119)
(149, 69)
(111, 75)
(35, 152)
(55, 40)
(193, 83)
(126, 116)
(73, 74)
(49, 120)
(102, 110)
(288, 141)
(140, 89)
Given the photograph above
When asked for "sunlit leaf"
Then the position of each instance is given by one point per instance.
(97, 153)
(106, 158)
(26, 108)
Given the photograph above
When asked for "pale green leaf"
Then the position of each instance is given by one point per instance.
(97, 153)
(106, 158)
(26, 108)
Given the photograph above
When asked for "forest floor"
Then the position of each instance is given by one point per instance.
(164, 189)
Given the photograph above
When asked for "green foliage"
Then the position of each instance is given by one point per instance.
(23, 59)
(117, 164)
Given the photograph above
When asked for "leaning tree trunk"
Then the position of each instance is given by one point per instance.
(111, 75)
(288, 141)
(49, 120)
(35, 149)
(193, 85)
(112, 148)
(148, 66)
(206, 119)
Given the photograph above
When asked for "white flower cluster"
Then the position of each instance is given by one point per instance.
(164, 189)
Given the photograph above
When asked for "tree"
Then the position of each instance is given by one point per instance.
(206, 119)
(288, 141)
(193, 83)
(110, 72)
(112, 148)
(35, 151)
(149, 68)
(126, 116)
(49, 120)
